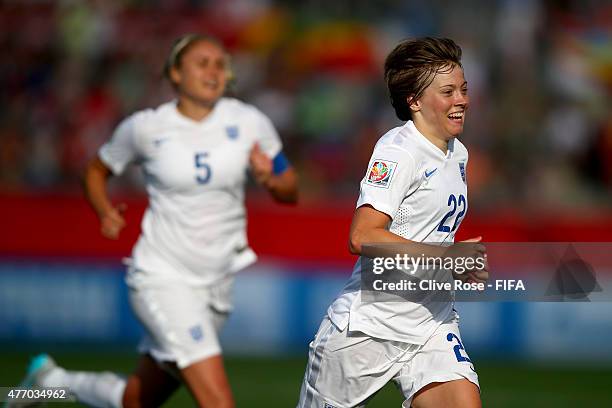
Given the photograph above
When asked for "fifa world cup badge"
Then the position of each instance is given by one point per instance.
(380, 173)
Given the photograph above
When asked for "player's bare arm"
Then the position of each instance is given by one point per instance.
(370, 226)
(283, 186)
(111, 218)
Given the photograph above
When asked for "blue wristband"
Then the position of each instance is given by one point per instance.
(280, 163)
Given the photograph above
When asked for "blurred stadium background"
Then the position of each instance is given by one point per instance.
(539, 134)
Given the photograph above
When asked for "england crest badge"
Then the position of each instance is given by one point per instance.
(196, 333)
(462, 171)
(232, 132)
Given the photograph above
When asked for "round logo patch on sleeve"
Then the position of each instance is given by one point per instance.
(380, 173)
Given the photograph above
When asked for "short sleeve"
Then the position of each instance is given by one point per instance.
(390, 175)
(121, 149)
(266, 135)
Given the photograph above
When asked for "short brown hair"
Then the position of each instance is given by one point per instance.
(411, 67)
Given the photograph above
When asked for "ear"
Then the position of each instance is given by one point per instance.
(229, 72)
(175, 75)
(413, 104)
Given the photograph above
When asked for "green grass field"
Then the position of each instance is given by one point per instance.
(275, 382)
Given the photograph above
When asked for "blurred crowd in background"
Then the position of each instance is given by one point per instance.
(539, 130)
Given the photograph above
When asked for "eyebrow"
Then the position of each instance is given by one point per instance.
(210, 58)
(453, 85)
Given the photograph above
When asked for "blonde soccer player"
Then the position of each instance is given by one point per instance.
(194, 152)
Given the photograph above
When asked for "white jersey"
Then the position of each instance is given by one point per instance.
(194, 229)
(424, 192)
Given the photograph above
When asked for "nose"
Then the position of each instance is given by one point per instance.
(212, 70)
(461, 99)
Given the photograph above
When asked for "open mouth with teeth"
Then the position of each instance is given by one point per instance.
(456, 116)
(211, 83)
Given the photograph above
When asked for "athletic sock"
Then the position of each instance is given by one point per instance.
(102, 390)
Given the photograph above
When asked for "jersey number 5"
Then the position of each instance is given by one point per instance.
(453, 202)
(203, 169)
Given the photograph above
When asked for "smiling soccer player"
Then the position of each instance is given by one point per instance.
(414, 193)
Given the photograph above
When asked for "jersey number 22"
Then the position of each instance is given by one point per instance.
(454, 203)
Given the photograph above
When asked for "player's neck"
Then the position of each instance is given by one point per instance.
(440, 142)
(193, 110)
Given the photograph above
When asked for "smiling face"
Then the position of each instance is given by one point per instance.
(439, 113)
(200, 76)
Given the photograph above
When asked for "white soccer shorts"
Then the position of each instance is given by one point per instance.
(345, 369)
(182, 322)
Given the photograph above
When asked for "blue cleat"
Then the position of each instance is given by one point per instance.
(39, 367)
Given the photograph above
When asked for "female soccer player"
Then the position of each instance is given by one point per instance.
(194, 153)
(415, 194)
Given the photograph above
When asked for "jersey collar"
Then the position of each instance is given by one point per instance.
(184, 119)
(430, 146)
